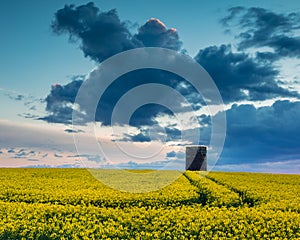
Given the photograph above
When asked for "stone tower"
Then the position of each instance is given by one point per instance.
(196, 158)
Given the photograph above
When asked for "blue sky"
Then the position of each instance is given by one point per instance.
(262, 109)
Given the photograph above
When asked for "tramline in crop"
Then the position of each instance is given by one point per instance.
(71, 204)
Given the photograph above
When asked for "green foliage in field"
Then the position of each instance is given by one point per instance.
(72, 204)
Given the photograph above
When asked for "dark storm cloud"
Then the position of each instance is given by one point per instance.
(239, 76)
(257, 135)
(264, 28)
(173, 134)
(103, 34)
(233, 12)
(64, 94)
(61, 98)
(264, 134)
(266, 57)
(140, 137)
(154, 33)
(146, 114)
(60, 102)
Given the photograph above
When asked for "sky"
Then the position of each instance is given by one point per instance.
(51, 50)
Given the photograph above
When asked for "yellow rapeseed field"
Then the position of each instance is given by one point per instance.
(72, 204)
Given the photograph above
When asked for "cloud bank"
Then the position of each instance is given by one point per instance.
(248, 72)
(238, 75)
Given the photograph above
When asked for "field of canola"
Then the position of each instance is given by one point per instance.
(72, 204)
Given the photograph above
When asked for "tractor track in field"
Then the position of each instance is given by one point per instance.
(246, 198)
